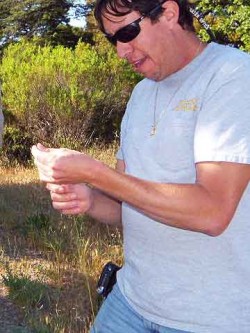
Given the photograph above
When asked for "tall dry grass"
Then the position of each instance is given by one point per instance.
(50, 263)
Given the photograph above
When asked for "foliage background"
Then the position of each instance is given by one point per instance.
(64, 96)
(229, 20)
(65, 86)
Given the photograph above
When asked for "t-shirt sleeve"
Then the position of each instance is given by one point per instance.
(223, 127)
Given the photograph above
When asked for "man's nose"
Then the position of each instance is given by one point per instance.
(123, 49)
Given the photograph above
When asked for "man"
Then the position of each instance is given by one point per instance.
(181, 185)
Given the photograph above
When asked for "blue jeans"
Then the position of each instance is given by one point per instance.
(116, 316)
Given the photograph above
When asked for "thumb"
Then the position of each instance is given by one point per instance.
(36, 149)
(42, 147)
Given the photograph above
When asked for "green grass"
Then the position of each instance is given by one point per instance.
(50, 263)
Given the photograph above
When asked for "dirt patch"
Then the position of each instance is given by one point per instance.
(11, 317)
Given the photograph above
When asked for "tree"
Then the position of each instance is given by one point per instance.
(44, 19)
(228, 19)
(91, 24)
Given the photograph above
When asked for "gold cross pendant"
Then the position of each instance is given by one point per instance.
(153, 130)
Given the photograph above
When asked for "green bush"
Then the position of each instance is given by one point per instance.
(63, 96)
(17, 145)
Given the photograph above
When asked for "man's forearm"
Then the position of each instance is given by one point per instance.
(105, 209)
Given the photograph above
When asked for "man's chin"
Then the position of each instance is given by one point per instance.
(152, 76)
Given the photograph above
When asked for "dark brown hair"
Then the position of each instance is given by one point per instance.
(121, 8)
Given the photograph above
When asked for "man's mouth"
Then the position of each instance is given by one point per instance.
(138, 63)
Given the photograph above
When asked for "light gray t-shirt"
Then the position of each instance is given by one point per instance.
(178, 278)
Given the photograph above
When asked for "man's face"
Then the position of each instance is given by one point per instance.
(150, 51)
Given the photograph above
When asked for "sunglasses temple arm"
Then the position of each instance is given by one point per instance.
(199, 16)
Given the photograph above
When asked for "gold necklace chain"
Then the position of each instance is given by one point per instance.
(156, 121)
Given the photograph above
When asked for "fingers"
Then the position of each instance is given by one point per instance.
(63, 199)
(66, 198)
(70, 199)
(59, 197)
(42, 147)
(65, 205)
(70, 207)
(61, 165)
(51, 163)
(63, 188)
(62, 193)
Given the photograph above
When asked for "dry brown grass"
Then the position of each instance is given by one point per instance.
(60, 255)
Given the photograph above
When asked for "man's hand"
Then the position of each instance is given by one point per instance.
(71, 199)
(61, 166)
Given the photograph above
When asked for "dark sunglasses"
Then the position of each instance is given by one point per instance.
(132, 30)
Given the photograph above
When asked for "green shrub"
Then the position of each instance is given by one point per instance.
(63, 96)
(16, 146)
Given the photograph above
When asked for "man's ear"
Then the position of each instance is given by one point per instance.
(171, 12)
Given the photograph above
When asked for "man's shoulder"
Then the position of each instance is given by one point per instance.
(230, 54)
(227, 62)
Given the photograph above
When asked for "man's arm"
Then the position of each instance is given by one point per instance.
(206, 206)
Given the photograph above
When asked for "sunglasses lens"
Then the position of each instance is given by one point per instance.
(128, 33)
(125, 34)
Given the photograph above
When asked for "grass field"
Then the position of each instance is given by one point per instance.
(50, 263)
